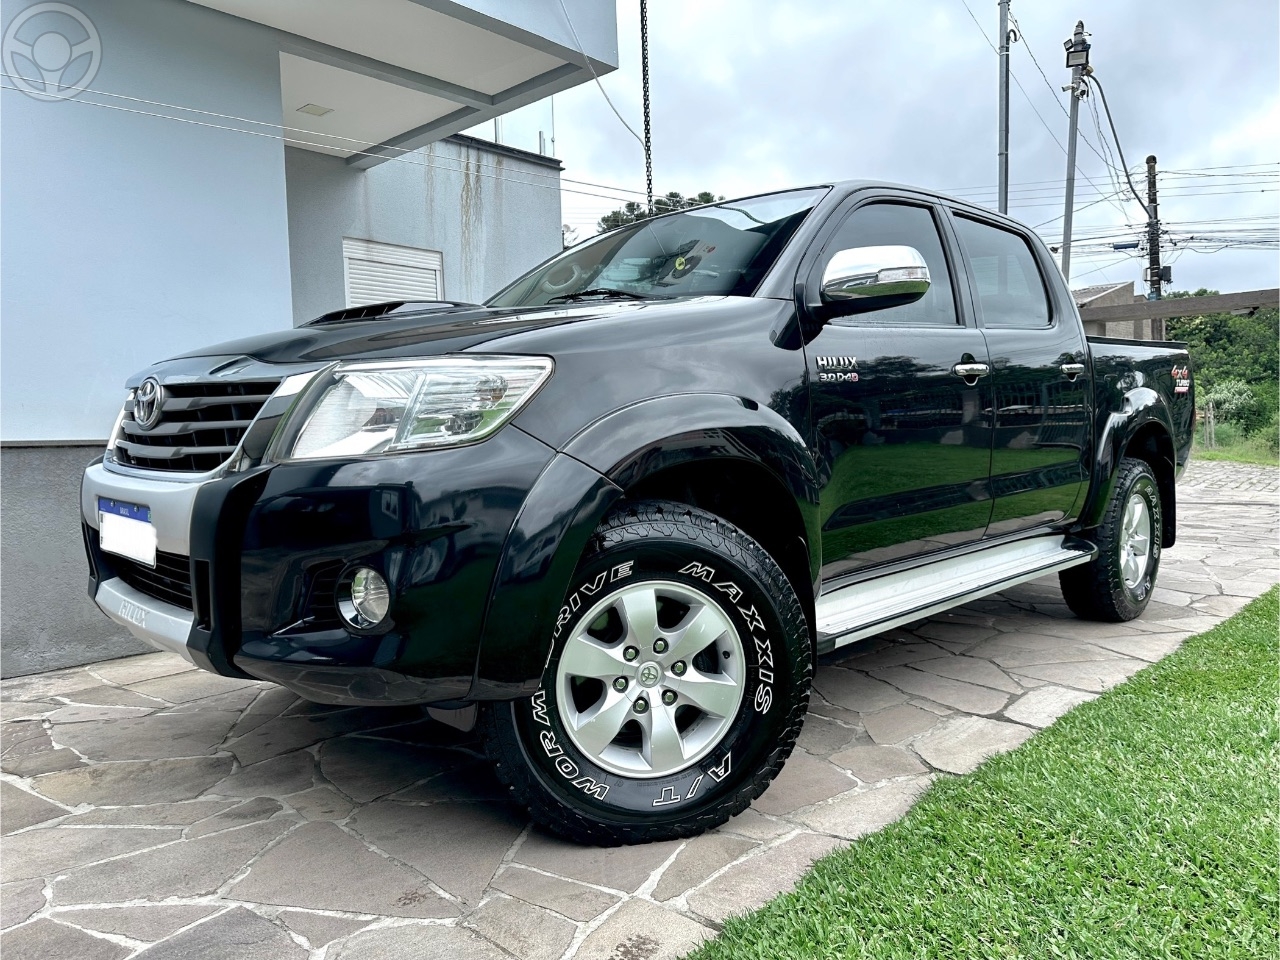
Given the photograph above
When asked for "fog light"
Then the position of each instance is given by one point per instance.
(366, 600)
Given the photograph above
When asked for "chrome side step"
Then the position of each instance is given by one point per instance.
(872, 606)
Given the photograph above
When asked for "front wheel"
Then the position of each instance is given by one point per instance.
(676, 686)
(1117, 584)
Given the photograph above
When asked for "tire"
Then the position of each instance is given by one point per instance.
(1116, 585)
(737, 661)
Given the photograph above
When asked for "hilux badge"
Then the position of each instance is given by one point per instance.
(146, 403)
(837, 369)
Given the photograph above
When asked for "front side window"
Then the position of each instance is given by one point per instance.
(1006, 279)
(720, 250)
(900, 224)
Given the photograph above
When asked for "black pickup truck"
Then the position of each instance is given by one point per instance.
(616, 513)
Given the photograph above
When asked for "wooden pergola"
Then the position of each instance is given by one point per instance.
(1181, 307)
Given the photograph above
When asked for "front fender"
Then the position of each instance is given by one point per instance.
(643, 439)
(1141, 406)
(566, 504)
(584, 481)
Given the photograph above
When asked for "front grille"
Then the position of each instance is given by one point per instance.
(170, 581)
(200, 425)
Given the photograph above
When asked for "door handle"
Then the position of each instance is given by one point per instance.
(971, 371)
(1072, 370)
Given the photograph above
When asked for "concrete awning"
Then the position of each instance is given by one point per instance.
(370, 80)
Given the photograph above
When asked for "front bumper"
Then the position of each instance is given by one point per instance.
(263, 547)
(161, 624)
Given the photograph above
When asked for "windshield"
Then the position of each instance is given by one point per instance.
(720, 250)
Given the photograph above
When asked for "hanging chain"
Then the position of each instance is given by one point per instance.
(644, 68)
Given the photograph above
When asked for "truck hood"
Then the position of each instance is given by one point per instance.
(430, 332)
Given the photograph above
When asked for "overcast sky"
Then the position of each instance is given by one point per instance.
(752, 95)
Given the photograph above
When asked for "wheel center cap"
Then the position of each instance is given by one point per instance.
(649, 675)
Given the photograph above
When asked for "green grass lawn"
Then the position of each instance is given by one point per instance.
(1240, 453)
(1142, 824)
(1259, 446)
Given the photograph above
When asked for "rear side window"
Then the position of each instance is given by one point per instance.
(1006, 279)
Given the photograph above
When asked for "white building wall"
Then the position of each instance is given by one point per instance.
(130, 237)
(490, 214)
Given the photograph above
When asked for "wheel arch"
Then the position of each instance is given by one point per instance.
(677, 448)
(749, 496)
(1153, 444)
(1141, 430)
(727, 455)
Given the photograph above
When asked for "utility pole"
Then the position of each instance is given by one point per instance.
(1153, 232)
(1003, 150)
(1078, 60)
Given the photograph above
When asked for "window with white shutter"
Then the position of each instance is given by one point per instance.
(377, 272)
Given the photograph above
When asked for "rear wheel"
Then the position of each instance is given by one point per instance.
(678, 680)
(1116, 585)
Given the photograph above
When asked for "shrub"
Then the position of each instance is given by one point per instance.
(1232, 400)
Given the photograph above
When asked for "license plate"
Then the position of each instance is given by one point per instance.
(125, 529)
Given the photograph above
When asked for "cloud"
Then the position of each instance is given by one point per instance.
(752, 95)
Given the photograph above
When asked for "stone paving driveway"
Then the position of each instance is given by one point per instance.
(153, 811)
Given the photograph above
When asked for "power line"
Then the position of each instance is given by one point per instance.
(1116, 137)
(1030, 102)
(1229, 166)
(595, 76)
(1027, 46)
(1191, 172)
(327, 136)
(298, 141)
(1104, 267)
(1111, 166)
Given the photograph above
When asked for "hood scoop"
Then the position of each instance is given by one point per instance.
(377, 311)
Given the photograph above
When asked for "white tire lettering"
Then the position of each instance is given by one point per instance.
(699, 572)
(549, 745)
(669, 796)
(694, 789)
(574, 602)
(719, 773)
(754, 622)
(732, 589)
(590, 588)
(568, 769)
(539, 704)
(764, 650)
(764, 699)
(591, 788)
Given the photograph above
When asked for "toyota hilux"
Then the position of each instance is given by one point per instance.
(613, 516)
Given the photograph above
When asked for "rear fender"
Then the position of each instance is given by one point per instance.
(1143, 409)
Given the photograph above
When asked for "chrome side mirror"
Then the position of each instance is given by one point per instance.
(861, 279)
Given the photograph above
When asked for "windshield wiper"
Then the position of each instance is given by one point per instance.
(602, 292)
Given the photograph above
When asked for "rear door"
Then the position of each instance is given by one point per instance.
(1041, 376)
(900, 436)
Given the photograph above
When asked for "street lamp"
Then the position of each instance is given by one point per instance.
(1077, 51)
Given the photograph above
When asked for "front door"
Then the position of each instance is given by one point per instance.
(902, 438)
(1041, 377)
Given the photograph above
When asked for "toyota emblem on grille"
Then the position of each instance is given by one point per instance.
(146, 403)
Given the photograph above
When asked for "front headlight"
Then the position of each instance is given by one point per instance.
(361, 408)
